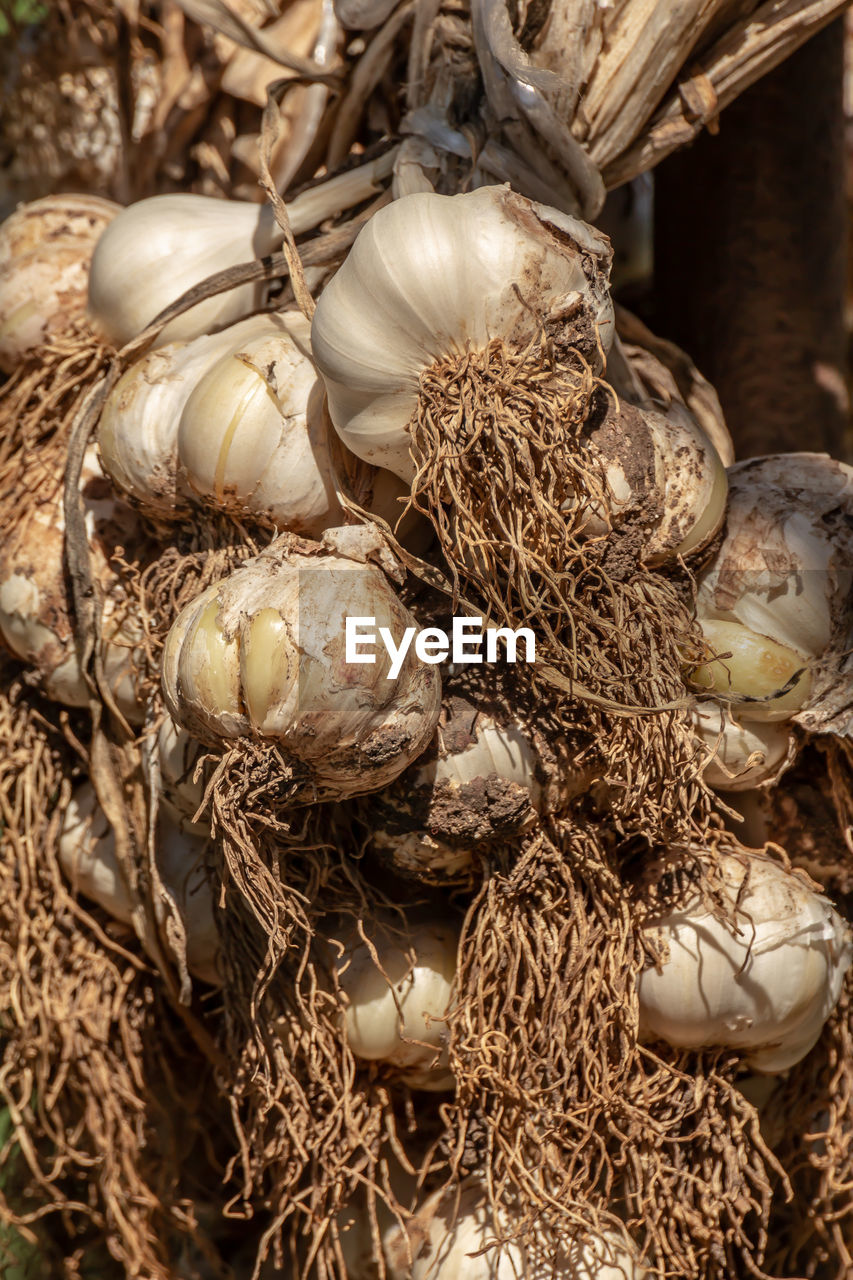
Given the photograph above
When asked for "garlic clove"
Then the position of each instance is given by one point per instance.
(742, 755)
(203, 694)
(383, 1021)
(157, 249)
(431, 277)
(762, 679)
(765, 986)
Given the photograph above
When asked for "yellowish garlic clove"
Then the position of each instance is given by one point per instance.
(762, 680)
(741, 755)
(431, 277)
(395, 1010)
(764, 985)
(35, 607)
(46, 249)
(447, 1239)
(88, 859)
(264, 652)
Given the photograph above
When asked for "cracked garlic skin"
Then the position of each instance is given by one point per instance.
(263, 652)
(382, 1021)
(431, 277)
(764, 987)
(46, 248)
(447, 1233)
(87, 855)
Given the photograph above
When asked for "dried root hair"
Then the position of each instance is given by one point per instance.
(557, 1102)
(111, 1131)
(317, 1130)
(813, 1232)
(506, 478)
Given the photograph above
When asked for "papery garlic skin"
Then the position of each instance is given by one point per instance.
(253, 432)
(35, 611)
(181, 794)
(733, 744)
(263, 652)
(88, 859)
(431, 277)
(46, 248)
(763, 680)
(766, 989)
(451, 1228)
(421, 967)
(158, 248)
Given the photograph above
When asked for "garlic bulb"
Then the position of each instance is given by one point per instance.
(383, 1021)
(784, 575)
(663, 475)
(45, 251)
(181, 794)
(445, 1237)
(253, 432)
(35, 610)
(158, 248)
(88, 859)
(765, 985)
(434, 276)
(482, 778)
(742, 755)
(763, 680)
(264, 650)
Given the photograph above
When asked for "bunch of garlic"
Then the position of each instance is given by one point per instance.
(263, 652)
(448, 1239)
(395, 1009)
(35, 609)
(763, 982)
(88, 859)
(431, 277)
(46, 249)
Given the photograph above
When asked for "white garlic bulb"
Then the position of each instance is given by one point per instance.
(663, 476)
(181, 793)
(431, 277)
(401, 1024)
(784, 574)
(35, 609)
(445, 1239)
(481, 778)
(764, 985)
(253, 432)
(45, 251)
(88, 859)
(264, 652)
(741, 755)
(158, 248)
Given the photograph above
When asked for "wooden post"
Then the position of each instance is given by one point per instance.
(750, 254)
